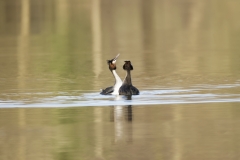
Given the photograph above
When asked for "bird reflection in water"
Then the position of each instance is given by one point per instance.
(122, 117)
(129, 110)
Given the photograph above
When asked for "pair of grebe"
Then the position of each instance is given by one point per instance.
(121, 88)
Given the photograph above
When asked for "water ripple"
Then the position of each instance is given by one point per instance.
(195, 94)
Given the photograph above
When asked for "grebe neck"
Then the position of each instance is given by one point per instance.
(118, 82)
(117, 78)
(128, 80)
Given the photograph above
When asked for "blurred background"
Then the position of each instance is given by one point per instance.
(51, 48)
(56, 45)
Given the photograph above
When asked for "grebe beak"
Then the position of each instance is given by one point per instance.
(114, 59)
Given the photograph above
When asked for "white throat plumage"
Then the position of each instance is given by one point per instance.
(118, 82)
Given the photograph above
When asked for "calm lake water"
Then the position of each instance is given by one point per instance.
(53, 64)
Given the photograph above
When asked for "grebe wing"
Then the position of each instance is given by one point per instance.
(128, 90)
(108, 90)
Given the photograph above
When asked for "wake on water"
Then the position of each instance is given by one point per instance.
(153, 96)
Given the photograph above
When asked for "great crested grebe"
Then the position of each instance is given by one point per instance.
(118, 82)
(127, 88)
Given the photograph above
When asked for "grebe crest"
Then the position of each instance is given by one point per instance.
(127, 88)
(118, 82)
(127, 66)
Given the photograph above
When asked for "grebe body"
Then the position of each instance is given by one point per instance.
(127, 88)
(118, 82)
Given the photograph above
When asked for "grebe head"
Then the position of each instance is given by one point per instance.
(112, 63)
(127, 66)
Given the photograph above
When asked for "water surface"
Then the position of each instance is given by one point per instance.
(53, 64)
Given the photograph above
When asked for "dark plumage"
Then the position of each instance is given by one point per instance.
(107, 90)
(127, 88)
